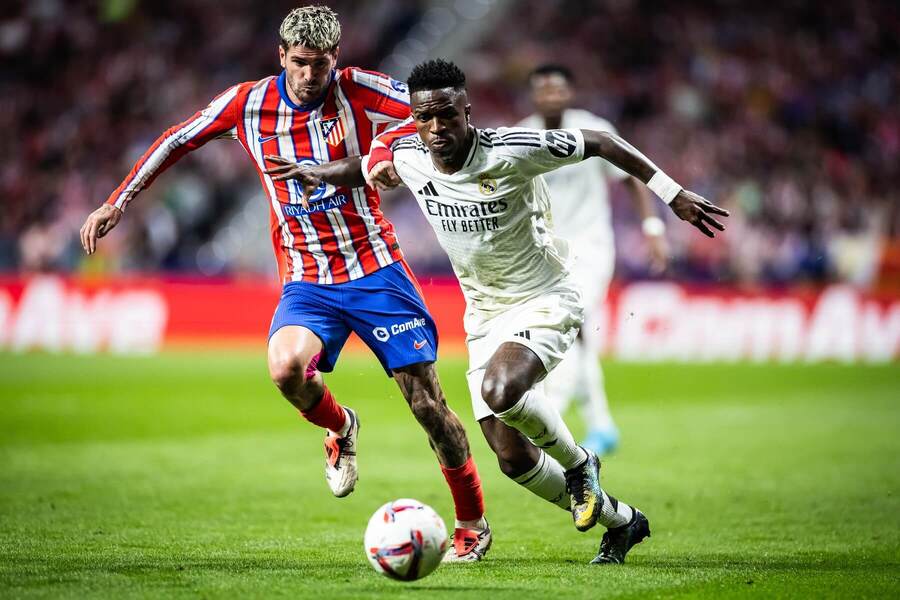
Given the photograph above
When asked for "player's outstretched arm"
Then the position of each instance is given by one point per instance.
(99, 223)
(217, 120)
(688, 206)
(344, 172)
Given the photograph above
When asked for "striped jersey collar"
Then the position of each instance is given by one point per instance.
(282, 91)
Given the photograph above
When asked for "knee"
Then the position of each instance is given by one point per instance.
(500, 393)
(288, 370)
(284, 370)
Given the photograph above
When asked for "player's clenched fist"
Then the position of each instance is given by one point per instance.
(383, 176)
(99, 223)
(696, 210)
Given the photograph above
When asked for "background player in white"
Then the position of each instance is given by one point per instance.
(582, 216)
(482, 193)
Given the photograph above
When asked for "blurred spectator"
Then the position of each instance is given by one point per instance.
(88, 86)
(787, 114)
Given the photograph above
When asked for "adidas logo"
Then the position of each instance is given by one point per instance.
(523, 334)
(429, 190)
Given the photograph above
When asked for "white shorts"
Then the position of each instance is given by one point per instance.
(547, 324)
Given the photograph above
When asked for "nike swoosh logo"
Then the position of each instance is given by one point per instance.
(263, 140)
(419, 345)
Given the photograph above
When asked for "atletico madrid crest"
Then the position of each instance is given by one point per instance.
(333, 129)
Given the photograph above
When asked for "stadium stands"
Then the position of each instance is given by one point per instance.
(789, 116)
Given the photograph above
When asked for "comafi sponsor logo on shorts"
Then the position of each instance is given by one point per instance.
(383, 334)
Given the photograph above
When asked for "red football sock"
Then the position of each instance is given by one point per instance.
(326, 413)
(465, 486)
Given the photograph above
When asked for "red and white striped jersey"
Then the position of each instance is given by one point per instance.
(343, 235)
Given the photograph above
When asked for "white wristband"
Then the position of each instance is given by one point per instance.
(653, 227)
(664, 186)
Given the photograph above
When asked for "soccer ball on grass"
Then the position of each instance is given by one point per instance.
(405, 540)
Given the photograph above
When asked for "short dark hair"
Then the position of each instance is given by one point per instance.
(553, 69)
(435, 75)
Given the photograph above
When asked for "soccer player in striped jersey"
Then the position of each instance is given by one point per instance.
(338, 258)
(483, 194)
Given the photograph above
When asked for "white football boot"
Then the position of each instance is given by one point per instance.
(340, 459)
(469, 545)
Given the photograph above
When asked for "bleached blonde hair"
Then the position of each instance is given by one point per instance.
(315, 27)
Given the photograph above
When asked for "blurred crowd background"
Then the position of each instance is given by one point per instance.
(787, 114)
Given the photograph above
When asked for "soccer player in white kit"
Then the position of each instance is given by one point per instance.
(582, 216)
(481, 191)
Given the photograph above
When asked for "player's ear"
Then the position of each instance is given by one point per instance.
(334, 54)
(282, 55)
(468, 112)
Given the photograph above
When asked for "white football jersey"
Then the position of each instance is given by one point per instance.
(492, 217)
(579, 193)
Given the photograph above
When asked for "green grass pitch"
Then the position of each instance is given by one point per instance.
(187, 475)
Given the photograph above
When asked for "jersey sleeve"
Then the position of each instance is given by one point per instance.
(386, 100)
(537, 151)
(217, 120)
(383, 145)
(393, 135)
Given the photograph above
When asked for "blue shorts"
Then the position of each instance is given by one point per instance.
(383, 308)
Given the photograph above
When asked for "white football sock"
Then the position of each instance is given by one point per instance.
(539, 421)
(546, 479)
(479, 524)
(614, 512)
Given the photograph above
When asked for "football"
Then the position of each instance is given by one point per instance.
(405, 540)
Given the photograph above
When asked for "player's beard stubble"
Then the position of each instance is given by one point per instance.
(307, 91)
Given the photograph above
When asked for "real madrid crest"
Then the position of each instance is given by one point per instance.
(487, 185)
